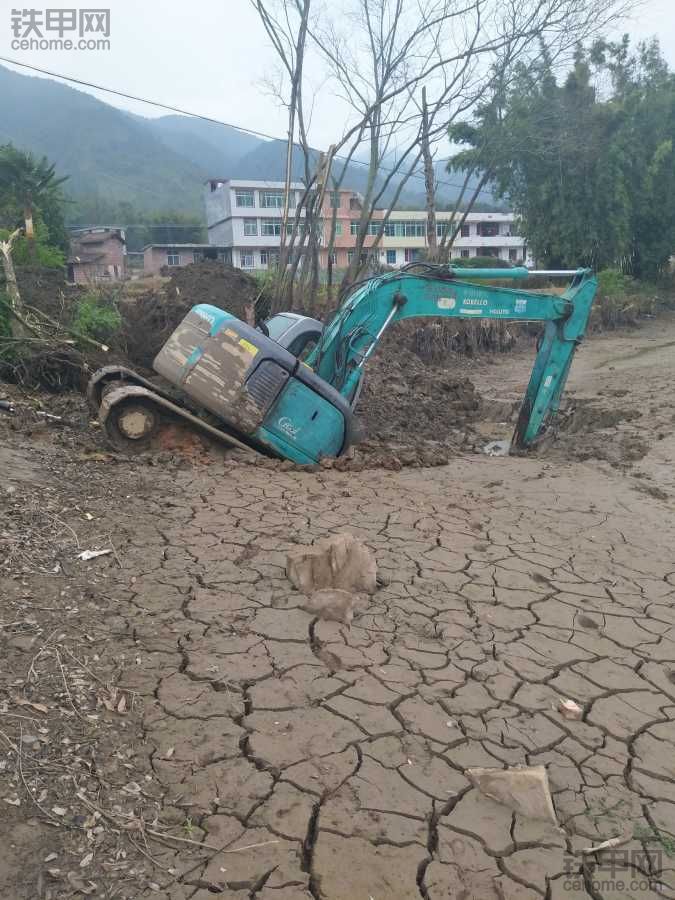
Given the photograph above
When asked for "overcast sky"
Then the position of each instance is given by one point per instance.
(210, 57)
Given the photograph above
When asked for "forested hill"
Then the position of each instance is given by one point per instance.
(114, 158)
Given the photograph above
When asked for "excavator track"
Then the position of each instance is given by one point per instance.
(134, 417)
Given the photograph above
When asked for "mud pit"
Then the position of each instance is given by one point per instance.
(259, 753)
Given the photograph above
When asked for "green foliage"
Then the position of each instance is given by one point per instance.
(96, 317)
(479, 262)
(38, 252)
(621, 300)
(30, 186)
(613, 283)
(5, 329)
(591, 175)
(51, 211)
(141, 227)
(26, 180)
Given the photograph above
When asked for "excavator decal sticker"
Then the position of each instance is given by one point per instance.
(288, 428)
(248, 346)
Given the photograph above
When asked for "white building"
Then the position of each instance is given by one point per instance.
(246, 216)
(482, 234)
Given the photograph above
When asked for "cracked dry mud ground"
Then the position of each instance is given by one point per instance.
(337, 755)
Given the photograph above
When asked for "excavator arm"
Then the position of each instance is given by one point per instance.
(424, 290)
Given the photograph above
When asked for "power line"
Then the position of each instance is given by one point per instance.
(185, 112)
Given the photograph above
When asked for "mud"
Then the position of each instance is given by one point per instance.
(200, 734)
(405, 401)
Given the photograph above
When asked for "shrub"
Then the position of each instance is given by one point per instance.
(96, 317)
(480, 262)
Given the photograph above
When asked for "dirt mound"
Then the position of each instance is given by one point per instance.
(405, 401)
(46, 290)
(587, 430)
(149, 319)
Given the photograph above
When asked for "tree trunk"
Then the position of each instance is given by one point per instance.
(30, 232)
(429, 182)
(17, 327)
(28, 216)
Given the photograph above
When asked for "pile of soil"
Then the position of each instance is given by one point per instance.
(586, 429)
(47, 290)
(149, 319)
(404, 400)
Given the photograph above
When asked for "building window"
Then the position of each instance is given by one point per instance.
(264, 257)
(372, 229)
(488, 229)
(350, 256)
(197, 255)
(465, 254)
(442, 229)
(275, 199)
(332, 258)
(273, 259)
(412, 254)
(250, 227)
(246, 259)
(338, 229)
(172, 258)
(513, 256)
(391, 257)
(488, 251)
(405, 229)
(244, 198)
(466, 230)
(354, 203)
(335, 199)
(271, 227)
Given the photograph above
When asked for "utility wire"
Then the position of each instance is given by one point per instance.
(185, 112)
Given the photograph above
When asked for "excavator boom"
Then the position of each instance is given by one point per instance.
(424, 290)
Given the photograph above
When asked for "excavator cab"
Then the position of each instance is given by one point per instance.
(298, 334)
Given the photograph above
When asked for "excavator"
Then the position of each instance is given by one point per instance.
(289, 387)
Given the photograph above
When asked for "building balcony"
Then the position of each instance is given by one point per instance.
(499, 240)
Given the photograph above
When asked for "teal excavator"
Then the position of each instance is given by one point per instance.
(289, 387)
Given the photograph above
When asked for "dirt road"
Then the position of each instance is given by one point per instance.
(175, 695)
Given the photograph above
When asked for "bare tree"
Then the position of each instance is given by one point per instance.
(382, 56)
(429, 179)
(285, 22)
(384, 52)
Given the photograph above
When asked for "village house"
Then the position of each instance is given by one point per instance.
(98, 255)
(158, 256)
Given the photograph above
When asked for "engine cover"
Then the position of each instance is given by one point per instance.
(224, 365)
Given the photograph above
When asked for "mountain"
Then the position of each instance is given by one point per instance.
(104, 151)
(214, 149)
(114, 158)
